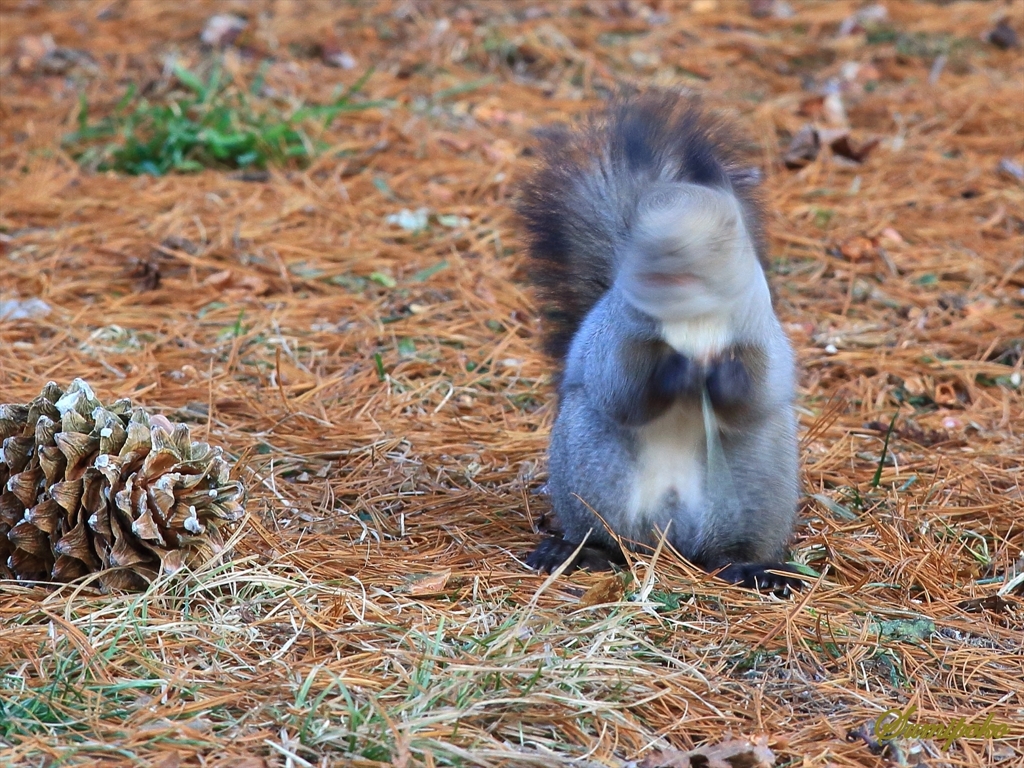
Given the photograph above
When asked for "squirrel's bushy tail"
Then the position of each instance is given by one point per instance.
(579, 204)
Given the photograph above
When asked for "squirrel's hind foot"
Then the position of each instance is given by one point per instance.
(757, 576)
(555, 550)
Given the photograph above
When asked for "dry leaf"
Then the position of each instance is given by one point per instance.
(426, 583)
(735, 753)
(857, 248)
(807, 142)
(946, 394)
(994, 603)
(608, 590)
(803, 149)
(844, 147)
(232, 283)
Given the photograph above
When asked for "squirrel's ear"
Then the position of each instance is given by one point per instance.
(746, 177)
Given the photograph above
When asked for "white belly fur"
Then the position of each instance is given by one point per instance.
(700, 338)
(671, 458)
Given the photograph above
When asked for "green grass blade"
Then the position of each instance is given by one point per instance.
(885, 449)
(190, 81)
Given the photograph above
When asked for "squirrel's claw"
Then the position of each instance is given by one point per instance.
(757, 576)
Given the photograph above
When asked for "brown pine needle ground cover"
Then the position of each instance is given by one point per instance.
(380, 383)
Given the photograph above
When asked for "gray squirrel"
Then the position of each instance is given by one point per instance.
(676, 387)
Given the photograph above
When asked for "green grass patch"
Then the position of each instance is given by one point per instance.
(209, 123)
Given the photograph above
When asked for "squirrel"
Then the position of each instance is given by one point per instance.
(676, 381)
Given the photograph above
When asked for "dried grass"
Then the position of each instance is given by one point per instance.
(377, 610)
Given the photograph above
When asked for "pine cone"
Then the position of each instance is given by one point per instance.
(86, 488)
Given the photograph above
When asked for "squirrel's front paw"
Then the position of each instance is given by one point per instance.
(728, 382)
(554, 550)
(675, 375)
(757, 576)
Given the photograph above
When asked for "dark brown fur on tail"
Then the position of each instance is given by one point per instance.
(571, 245)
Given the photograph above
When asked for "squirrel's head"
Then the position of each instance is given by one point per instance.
(690, 253)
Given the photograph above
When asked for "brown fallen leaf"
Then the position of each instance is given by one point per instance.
(426, 583)
(844, 147)
(609, 590)
(735, 753)
(857, 248)
(803, 148)
(994, 603)
(807, 142)
(228, 281)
